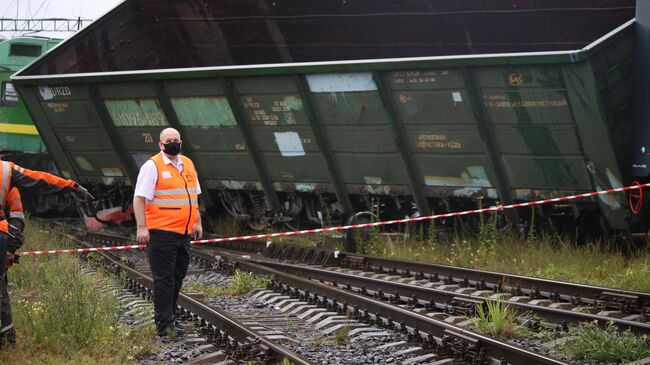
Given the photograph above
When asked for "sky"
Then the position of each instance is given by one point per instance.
(35, 9)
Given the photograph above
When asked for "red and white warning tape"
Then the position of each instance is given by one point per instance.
(354, 226)
(82, 250)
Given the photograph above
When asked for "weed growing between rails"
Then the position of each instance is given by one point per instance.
(61, 313)
(342, 334)
(593, 344)
(585, 341)
(498, 320)
(242, 283)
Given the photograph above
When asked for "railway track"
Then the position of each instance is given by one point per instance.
(437, 343)
(627, 302)
(443, 339)
(459, 288)
(435, 339)
(222, 330)
(452, 299)
(378, 295)
(628, 309)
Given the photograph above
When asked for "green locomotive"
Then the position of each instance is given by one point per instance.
(17, 131)
(20, 141)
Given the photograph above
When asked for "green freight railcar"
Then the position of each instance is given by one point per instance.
(305, 112)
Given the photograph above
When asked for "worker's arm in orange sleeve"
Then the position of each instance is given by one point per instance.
(29, 179)
(45, 182)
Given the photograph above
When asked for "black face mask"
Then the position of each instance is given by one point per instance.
(172, 148)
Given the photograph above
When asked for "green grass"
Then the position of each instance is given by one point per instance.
(609, 345)
(498, 320)
(552, 257)
(490, 248)
(242, 283)
(61, 314)
(226, 226)
(342, 334)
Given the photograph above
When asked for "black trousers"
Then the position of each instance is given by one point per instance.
(7, 332)
(4, 243)
(169, 257)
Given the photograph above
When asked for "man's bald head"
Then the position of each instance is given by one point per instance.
(169, 135)
(170, 142)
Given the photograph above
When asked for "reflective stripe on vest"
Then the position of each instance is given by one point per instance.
(174, 206)
(4, 190)
(4, 186)
(172, 201)
(170, 192)
(19, 215)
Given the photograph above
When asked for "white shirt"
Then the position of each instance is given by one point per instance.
(148, 177)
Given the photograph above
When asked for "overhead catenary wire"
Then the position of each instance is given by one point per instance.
(30, 18)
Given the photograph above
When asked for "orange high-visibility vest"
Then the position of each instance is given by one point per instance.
(175, 205)
(5, 181)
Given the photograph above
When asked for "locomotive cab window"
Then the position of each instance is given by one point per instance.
(25, 50)
(9, 95)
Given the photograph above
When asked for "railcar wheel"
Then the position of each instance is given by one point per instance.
(589, 226)
(257, 223)
(351, 236)
(635, 197)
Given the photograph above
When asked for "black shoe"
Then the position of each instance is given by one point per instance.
(8, 339)
(178, 328)
(173, 329)
(165, 331)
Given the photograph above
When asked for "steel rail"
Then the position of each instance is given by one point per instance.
(589, 294)
(495, 349)
(424, 294)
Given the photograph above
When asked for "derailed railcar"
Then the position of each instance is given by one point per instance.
(297, 112)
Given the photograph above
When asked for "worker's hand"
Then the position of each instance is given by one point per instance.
(82, 193)
(142, 237)
(197, 232)
(9, 260)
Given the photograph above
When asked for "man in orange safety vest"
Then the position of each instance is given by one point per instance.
(166, 210)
